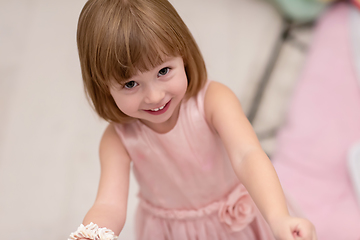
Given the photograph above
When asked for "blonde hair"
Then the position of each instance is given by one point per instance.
(116, 38)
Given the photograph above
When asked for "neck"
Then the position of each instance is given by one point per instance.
(166, 126)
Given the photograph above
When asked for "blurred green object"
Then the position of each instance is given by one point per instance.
(302, 11)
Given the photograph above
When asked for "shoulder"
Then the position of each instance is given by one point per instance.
(111, 144)
(224, 113)
(109, 135)
(219, 99)
(216, 89)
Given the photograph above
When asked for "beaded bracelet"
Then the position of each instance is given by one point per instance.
(92, 231)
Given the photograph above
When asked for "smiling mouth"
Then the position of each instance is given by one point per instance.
(160, 110)
(157, 109)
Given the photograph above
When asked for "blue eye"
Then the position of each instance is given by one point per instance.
(130, 84)
(163, 71)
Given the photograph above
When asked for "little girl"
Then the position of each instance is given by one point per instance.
(201, 171)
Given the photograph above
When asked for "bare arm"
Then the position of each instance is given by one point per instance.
(250, 163)
(109, 209)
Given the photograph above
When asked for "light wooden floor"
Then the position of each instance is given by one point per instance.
(49, 136)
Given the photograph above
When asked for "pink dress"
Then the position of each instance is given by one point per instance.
(188, 189)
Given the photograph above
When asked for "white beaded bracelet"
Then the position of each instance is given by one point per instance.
(92, 231)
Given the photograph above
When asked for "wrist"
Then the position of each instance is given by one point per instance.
(275, 220)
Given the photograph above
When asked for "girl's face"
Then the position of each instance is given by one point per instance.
(154, 96)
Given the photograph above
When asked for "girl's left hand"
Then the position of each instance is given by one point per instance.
(290, 228)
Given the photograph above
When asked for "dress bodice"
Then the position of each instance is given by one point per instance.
(185, 168)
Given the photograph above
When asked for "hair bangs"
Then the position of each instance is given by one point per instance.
(142, 47)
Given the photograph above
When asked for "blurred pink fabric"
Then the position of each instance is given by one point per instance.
(188, 189)
(323, 122)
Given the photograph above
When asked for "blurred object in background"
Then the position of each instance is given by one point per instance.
(354, 152)
(354, 168)
(301, 11)
(356, 3)
(323, 123)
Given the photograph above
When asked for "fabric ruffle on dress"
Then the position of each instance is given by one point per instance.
(234, 217)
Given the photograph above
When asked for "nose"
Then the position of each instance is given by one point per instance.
(154, 95)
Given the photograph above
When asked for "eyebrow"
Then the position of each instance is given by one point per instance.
(167, 60)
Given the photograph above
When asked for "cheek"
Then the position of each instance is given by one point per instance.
(125, 104)
(182, 84)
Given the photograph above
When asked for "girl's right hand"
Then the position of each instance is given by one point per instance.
(290, 228)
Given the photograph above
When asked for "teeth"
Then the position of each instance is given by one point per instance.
(157, 109)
